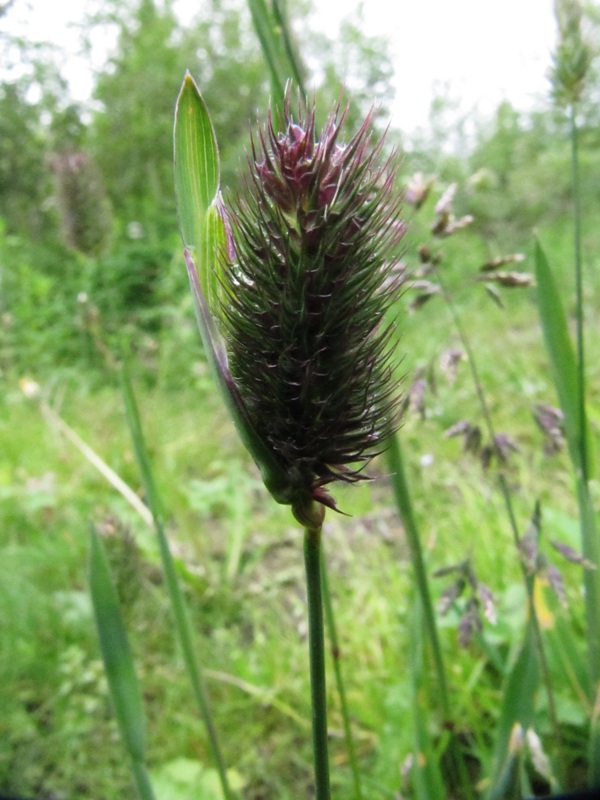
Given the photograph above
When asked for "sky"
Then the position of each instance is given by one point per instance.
(479, 51)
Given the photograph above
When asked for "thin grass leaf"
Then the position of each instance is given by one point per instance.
(118, 664)
(568, 653)
(199, 205)
(202, 227)
(426, 776)
(293, 59)
(567, 375)
(202, 219)
(94, 459)
(337, 668)
(594, 744)
(508, 784)
(591, 578)
(266, 27)
(521, 685)
(140, 450)
(562, 360)
(181, 617)
(403, 500)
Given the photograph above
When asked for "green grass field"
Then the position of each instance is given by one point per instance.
(240, 560)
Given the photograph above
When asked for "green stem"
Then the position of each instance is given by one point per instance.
(591, 578)
(142, 781)
(403, 501)
(316, 645)
(335, 654)
(589, 537)
(292, 56)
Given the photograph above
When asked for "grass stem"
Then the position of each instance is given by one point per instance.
(404, 504)
(339, 679)
(142, 781)
(579, 301)
(589, 539)
(316, 645)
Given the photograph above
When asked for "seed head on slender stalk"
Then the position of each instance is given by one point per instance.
(573, 56)
(292, 293)
(306, 297)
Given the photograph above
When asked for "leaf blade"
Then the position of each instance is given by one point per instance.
(116, 653)
(563, 363)
(267, 32)
(517, 706)
(197, 172)
(558, 343)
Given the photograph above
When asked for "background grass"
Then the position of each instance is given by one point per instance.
(58, 734)
(66, 317)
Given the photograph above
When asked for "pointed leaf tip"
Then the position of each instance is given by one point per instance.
(196, 162)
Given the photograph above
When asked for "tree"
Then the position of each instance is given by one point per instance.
(132, 133)
(24, 178)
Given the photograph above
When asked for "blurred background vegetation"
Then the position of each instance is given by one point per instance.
(91, 270)
(86, 193)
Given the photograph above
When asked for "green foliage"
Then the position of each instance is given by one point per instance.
(24, 177)
(64, 318)
(39, 313)
(272, 29)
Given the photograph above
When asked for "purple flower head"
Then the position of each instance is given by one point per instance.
(309, 295)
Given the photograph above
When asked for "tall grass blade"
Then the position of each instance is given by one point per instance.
(508, 784)
(180, 613)
(273, 31)
(579, 300)
(266, 27)
(506, 492)
(426, 622)
(566, 375)
(521, 685)
(404, 504)
(426, 776)
(293, 60)
(266, 30)
(118, 664)
(562, 360)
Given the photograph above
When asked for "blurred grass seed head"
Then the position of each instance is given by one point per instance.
(573, 56)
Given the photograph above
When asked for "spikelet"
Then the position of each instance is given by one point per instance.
(306, 297)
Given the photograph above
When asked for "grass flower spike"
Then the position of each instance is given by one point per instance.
(306, 300)
(298, 322)
(292, 295)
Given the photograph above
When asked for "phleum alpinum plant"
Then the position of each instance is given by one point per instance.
(294, 283)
